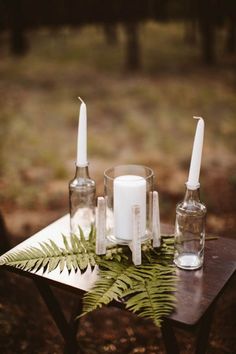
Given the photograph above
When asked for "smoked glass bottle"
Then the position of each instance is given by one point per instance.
(190, 231)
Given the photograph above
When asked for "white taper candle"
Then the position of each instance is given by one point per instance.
(81, 160)
(194, 171)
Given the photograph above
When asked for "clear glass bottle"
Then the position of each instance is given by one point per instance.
(190, 231)
(82, 197)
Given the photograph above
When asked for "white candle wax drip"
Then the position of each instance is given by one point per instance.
(82, 137)
(129, 190)
(194, 171)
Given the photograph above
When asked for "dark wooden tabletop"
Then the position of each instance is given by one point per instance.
(196, 290)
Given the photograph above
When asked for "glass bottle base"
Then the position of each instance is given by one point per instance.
(188, 261)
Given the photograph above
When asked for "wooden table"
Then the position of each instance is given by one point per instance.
(197, 291)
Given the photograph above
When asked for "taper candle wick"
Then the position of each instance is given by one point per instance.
(79, 98)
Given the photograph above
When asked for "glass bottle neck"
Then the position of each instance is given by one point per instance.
(82, 172)
(192, 195)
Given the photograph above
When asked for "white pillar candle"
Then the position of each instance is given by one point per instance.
(194, 171)
(81, 160)
(129, 190)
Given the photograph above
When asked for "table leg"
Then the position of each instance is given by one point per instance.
(204, 331)
(77, 310)
(169, 338)
(67, 332)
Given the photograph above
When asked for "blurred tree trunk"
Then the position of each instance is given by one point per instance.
(231, 35)
(19, 43)
(207, 30)
(133, 61)
(190, 24)
(190, 32)
(110, 32)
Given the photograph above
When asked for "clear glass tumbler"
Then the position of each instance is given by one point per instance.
(127, 186)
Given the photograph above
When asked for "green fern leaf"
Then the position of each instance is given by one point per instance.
(77, 253)
(82, 237)
(112, 283)
(115, 279)
(62, 264)
(74, 245)
(151, 299)
(92, 234)
(66, 244)
(147, 290)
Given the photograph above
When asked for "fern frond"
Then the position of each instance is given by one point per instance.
(115, 278)
(146, 289)
(153, 298)
(77, 253)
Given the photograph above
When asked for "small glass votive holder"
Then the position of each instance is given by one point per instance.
(127, 186)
